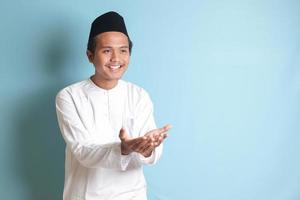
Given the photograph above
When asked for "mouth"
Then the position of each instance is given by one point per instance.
(114, 67)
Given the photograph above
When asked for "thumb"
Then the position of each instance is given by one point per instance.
(123, 135)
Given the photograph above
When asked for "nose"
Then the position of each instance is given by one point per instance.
(115, 56)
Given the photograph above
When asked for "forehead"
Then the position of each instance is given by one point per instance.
(112, 39)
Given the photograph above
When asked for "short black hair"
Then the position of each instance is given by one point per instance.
(91, 46)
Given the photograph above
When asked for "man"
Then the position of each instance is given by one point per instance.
(107, 123)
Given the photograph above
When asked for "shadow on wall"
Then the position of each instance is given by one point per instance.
(41, 147)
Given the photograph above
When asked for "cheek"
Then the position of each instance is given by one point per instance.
(127, 59)
(100, 60)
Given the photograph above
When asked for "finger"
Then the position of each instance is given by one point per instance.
(158, 142)
(150, 141)
(164, 135)
(151, 146)
(163, 129)
(154, 133)
(160, 139)
(161, 136)
(123, 134)
(168, 127)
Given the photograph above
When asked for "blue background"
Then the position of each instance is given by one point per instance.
(224, 73)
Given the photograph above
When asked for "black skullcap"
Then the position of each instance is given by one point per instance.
(110, 21)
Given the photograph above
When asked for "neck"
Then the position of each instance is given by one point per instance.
(104, 84)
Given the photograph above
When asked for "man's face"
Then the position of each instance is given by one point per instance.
(111, 56)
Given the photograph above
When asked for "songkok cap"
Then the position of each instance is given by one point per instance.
(110, 21)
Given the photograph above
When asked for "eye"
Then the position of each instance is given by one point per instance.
(124, 51)
(106, 51)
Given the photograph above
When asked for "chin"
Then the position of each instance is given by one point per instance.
(115, 78)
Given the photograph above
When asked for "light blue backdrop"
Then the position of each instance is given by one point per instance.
(224, 73)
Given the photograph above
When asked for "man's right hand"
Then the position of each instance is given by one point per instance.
(144, 144)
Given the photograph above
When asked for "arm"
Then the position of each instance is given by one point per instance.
(83, 143)
(145, 123)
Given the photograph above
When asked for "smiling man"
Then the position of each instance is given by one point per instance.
(107, 123)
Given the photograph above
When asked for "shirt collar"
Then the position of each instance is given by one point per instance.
(105, 91)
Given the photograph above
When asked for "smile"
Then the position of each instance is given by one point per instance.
(114, 67)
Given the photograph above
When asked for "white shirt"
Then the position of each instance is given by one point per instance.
(90, 119)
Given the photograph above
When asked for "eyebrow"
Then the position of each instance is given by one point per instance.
(110, 47)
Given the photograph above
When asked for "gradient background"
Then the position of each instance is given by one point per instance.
(224, 73)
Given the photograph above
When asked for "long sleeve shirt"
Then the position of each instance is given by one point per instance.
(90, 119)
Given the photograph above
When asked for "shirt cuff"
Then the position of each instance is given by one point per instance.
(124, 159)
(147, 160)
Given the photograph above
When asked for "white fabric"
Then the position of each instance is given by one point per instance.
(90, 119)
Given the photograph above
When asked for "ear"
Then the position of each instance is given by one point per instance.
(90, 56)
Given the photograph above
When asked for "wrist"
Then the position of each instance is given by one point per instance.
(124, 150)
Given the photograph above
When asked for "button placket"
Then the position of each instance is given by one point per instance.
(108, 106)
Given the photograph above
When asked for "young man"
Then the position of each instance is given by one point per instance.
(107, 123)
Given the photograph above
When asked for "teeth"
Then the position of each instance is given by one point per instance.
(114, 66)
